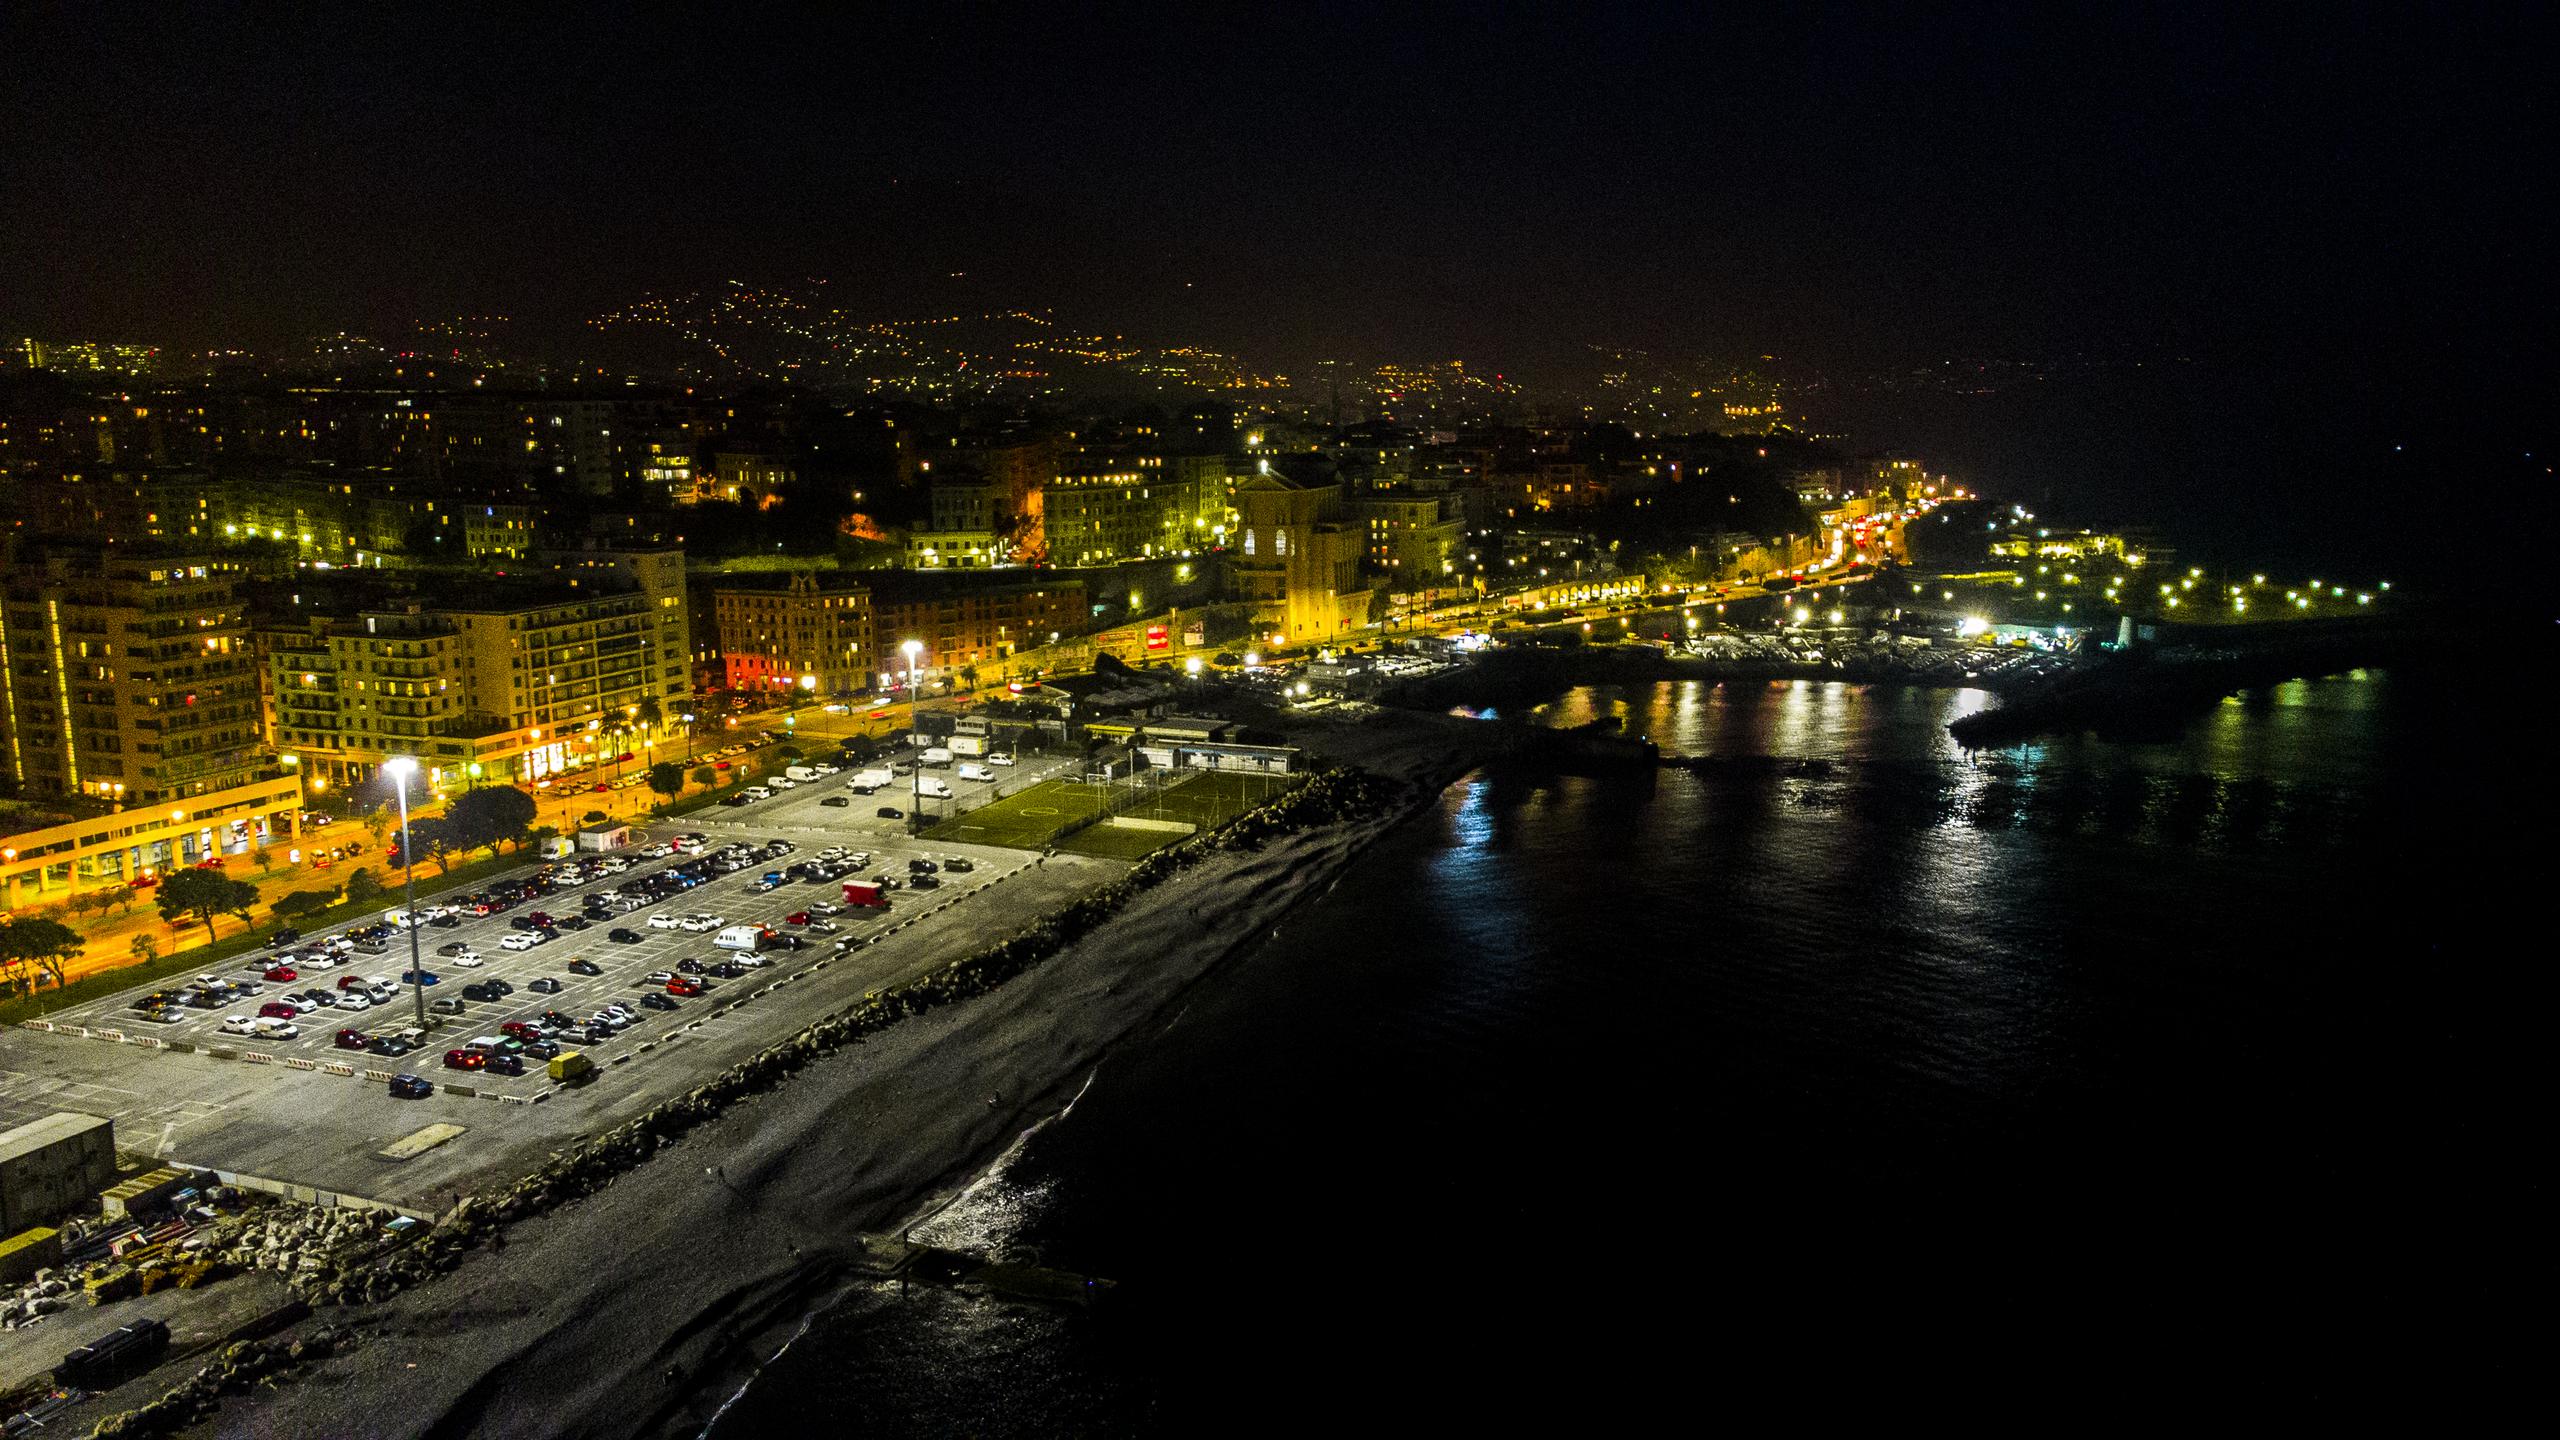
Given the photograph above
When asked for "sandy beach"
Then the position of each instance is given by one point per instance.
(640, 1309)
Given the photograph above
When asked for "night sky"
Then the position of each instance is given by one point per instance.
(2331, 190)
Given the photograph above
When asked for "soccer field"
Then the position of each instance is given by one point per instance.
(1030, 820)
(1034, 819)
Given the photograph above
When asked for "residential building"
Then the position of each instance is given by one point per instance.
(126, 676)
(967, 622)
(810, 628)
(515, 682)
(1411, 539)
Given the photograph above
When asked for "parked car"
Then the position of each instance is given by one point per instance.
(352, 1040)
(420, 977)
(835, 802)
(411, 1087)
(543, 986)
(453, 948)
(585, 967)
(281, 974)
(656, 1001)
(282, 938)
(508, 1064)
(623, 937)
(892, 812)
(279, 1010)
(238, 1025)
(465, 1060)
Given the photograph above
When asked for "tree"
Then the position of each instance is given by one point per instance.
(84, 901)
(667, 778)
(263, 858)
(499, 815)
(121, 898)
(377, 822)
(363, 888)
(706, 776)
(787, 752)
(45, 944)
(434, 839)
(202, 894)
(302, 902)
(144, 949)
(48, 944)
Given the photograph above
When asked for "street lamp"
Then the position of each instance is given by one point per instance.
(400, 768)
(915, 739)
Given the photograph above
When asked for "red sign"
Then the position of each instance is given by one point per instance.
(1157, 639)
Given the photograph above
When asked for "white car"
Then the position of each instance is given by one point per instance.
(999, 759)
(519, 941)
(699, 923)
(783, 782)
(664, 922)
(270, 1028)
(352, 1000)
(470, 959)
(316, 962)
(238, 1025)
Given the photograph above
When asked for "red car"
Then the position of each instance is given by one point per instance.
(353, 1039)
(284, 973)
(277, 1010)
(598, 788)
(351, 982)
(521, 1030)
(465, 1060)
(684, 985)
(797, 917)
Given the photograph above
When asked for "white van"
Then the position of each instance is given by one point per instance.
(739, 937)
(937, 757)
(800, 772)
(933, 788)
(870, 780)
(976, 772)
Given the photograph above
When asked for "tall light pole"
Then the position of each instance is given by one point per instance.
(400, 768)
(915, 739)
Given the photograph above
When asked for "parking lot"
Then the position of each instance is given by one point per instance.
(735, 898)
(302, 1110)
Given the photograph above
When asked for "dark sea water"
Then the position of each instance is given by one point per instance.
(2085, 1079)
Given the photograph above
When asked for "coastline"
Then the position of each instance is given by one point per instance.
(597, 1324)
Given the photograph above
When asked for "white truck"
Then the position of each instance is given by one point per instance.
(739, 937)
(801, 772)
(936, 757)
(933, 788)
(970, 771)
(869, 780)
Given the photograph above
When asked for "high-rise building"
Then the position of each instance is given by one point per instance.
(126, 677)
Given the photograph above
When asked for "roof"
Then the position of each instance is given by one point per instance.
(53, 1129)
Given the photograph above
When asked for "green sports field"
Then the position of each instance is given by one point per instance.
(1030, 820)
(1033, 819)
